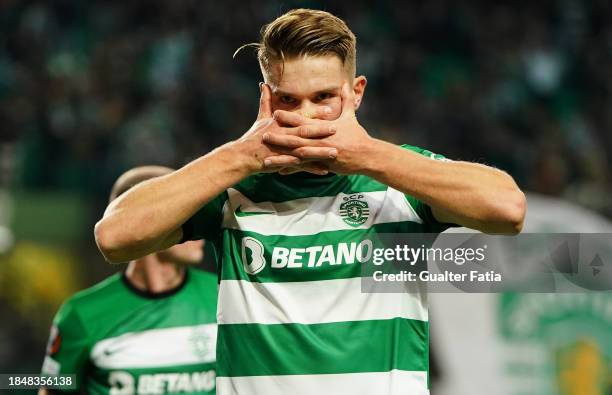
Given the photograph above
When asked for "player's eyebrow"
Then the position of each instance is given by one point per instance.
(331, 89)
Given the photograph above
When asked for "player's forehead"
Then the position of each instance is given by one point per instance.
(307, 75)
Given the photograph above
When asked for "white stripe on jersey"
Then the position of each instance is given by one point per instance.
(395, 382)
(249, 302)
(166, 347)
(309, 216)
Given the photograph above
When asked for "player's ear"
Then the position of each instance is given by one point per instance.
(359, 85)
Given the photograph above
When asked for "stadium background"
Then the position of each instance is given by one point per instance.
(90, 89)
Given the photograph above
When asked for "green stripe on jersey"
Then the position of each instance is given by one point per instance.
(113, 337)
(288, 243)
(278, 188)
(340, 347)
(181, 379)
(314, 263)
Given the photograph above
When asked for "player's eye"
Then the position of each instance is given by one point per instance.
(287, 99)
(324, 96)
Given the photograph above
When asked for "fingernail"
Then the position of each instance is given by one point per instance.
(324, 172)
(267, 162)
(266, 137)
(261, 86)
(333, 153)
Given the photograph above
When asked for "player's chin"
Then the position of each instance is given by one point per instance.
(182, 255)
(188, 259)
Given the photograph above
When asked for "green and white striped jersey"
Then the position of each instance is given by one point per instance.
(118, 340)
(291, 314)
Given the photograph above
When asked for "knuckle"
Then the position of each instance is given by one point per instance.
(296, 142)
(303, 131)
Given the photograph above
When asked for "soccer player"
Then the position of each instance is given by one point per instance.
(149, 330)
(292, 319)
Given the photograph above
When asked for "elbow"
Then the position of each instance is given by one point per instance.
(107, 242)
(514, 212)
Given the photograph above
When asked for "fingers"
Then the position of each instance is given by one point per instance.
(322, 112)
(312, 131)
(348, 101)
(281, 161)
(285, 140)
(314, 168)
(289, 170)
(302, 135)
(315, 153)
(290, 118)
(299, 157)
(265, 102)
(296, 119)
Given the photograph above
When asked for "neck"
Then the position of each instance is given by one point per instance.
(150, 274)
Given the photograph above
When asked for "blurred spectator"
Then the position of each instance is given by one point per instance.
(89, 89)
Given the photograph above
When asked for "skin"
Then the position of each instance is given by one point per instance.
(308, 86)
(164, 270)
(159, 272)
(307, 122)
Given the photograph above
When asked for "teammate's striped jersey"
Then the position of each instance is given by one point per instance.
(122, 341)
(291, 314)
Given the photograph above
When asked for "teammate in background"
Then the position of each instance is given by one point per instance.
(149, 330)
(292, 317)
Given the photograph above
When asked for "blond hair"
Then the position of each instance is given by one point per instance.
(304, 32)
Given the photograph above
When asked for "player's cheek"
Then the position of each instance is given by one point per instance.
(336, 106)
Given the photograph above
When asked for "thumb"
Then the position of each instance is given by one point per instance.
(348, 101)
(265, 102)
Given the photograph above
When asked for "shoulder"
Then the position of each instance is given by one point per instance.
(254, 182)
(202, 277)
(89, 299)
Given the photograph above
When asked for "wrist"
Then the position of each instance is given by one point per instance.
(373, 154)
(244, 157)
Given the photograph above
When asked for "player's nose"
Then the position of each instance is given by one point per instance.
(308, 109)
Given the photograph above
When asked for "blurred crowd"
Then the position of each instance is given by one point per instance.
(90, 88)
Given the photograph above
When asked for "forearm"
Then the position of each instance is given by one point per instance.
(148, 217)
(469, 194)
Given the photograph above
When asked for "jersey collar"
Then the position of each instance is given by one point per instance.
(154, 295)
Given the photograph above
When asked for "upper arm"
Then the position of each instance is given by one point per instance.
(434, 220)
(444, 216)
(431, 222)
(175, 237)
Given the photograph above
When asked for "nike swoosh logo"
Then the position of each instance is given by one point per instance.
(109, 352)
(240, 213)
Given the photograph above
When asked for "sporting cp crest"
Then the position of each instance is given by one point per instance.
(354, 211)
(200, 342)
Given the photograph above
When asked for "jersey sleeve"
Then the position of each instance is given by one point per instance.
(431, 224)
(206, 223)
(68, 347)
